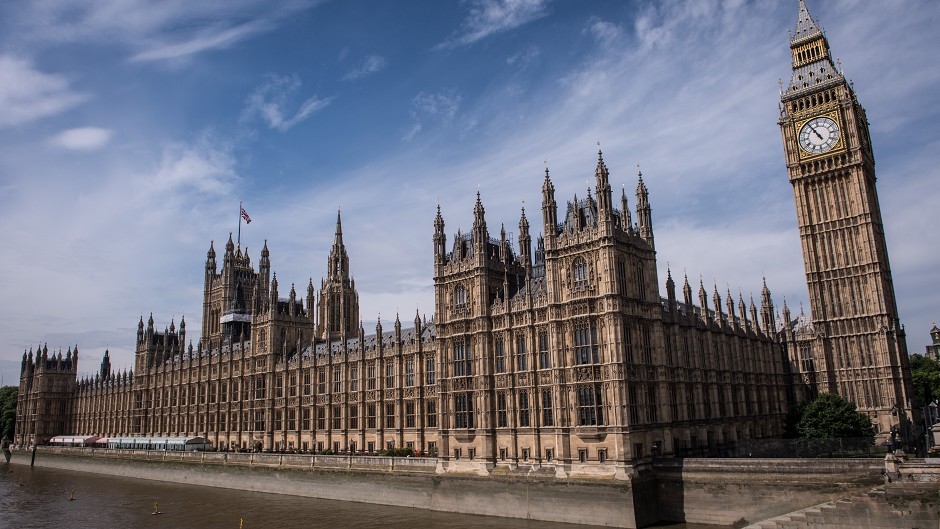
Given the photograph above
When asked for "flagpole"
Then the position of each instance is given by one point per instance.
(239, 223)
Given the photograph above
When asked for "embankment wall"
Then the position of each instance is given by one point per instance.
(711, 491)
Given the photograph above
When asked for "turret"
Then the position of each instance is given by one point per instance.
(644, 213)
(440, 239)
(210, 261)
(105, 364)
(687, 298)
(767, 311)
(525, 244)
(671, 292)
(480, 233)
(753, 312)
(625, 208)
(273, 306)
(549, 209)
(264, 266)
(604, 205)
(311, 300)
(703, 301)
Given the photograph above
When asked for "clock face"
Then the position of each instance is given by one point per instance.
(819, 135)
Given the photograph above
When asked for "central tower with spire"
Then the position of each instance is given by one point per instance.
(338, 309)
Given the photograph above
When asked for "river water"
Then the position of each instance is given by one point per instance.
(39, 498)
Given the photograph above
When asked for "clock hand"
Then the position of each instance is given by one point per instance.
(816, 132)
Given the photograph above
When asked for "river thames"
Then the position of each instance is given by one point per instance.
(39, 498)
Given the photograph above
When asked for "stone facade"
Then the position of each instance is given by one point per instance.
(855, 345)
(565, 354)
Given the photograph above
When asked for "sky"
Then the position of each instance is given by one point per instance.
(131, 129)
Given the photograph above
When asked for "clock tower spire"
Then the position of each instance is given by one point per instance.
(859, 348)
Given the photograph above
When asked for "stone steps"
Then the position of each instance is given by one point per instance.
(869, 511)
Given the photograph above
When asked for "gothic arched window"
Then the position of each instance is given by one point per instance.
(580, 273)
(460, 297)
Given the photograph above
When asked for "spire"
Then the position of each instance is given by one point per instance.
(230, 245)
(812, 59)
(671, 290)
(338, 238)
(601, 175)
(805, 25)
(549, 208)
(440, 239)
(643, 211)
(338, 262)
(478, 211)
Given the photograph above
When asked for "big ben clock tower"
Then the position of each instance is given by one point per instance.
(857, 348)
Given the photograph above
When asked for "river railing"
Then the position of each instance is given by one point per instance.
(254, 459)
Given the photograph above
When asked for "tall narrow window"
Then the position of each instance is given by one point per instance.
(431, 408)
(545, 360)
(590, 405)
(548, 418)
(321, 382)
(370, 375)
(337, 418)
(460, 297)
(410, 414)
(580, 273)
(500, 355)
(354, 378)
(389, 415)
(462, 358)
(370, 416)
(409, 372)
(463, 410)
(337, 380)
(390, 374)
(521, 357)
(585, 343)
(501, 410)
(523, 409)
(429, 373)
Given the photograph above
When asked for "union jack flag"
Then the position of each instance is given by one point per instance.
(245, 216)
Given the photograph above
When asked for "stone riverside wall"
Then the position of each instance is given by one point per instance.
(607, 502)
(742, 491)
(730, 492)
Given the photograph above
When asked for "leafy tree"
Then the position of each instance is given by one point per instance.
(925, 375)
(7, 411)
(829, 416)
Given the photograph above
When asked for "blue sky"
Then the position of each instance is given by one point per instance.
(130, 129)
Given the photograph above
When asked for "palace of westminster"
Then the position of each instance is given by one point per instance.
(559, 351)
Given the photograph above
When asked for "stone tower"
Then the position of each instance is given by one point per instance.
(859, 346)
(339, 301)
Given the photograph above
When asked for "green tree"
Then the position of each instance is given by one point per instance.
(829, 416)
(7, 411)
(925, 376)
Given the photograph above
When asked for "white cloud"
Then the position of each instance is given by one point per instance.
(82, 139)
(27, 94)
(271, 102)
(439, 107)
(368, 66)
(488, 17)
(207, 165)
(524, 57)
(215, 38)
(151, 29)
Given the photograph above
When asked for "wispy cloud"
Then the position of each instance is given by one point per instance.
(271, 102)
(82, 139)
(153, 30)
(368, 66)
(439, 107)
(524, 57)
(213, 38)
(206, 165)
(488, 17)
(27, 94)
